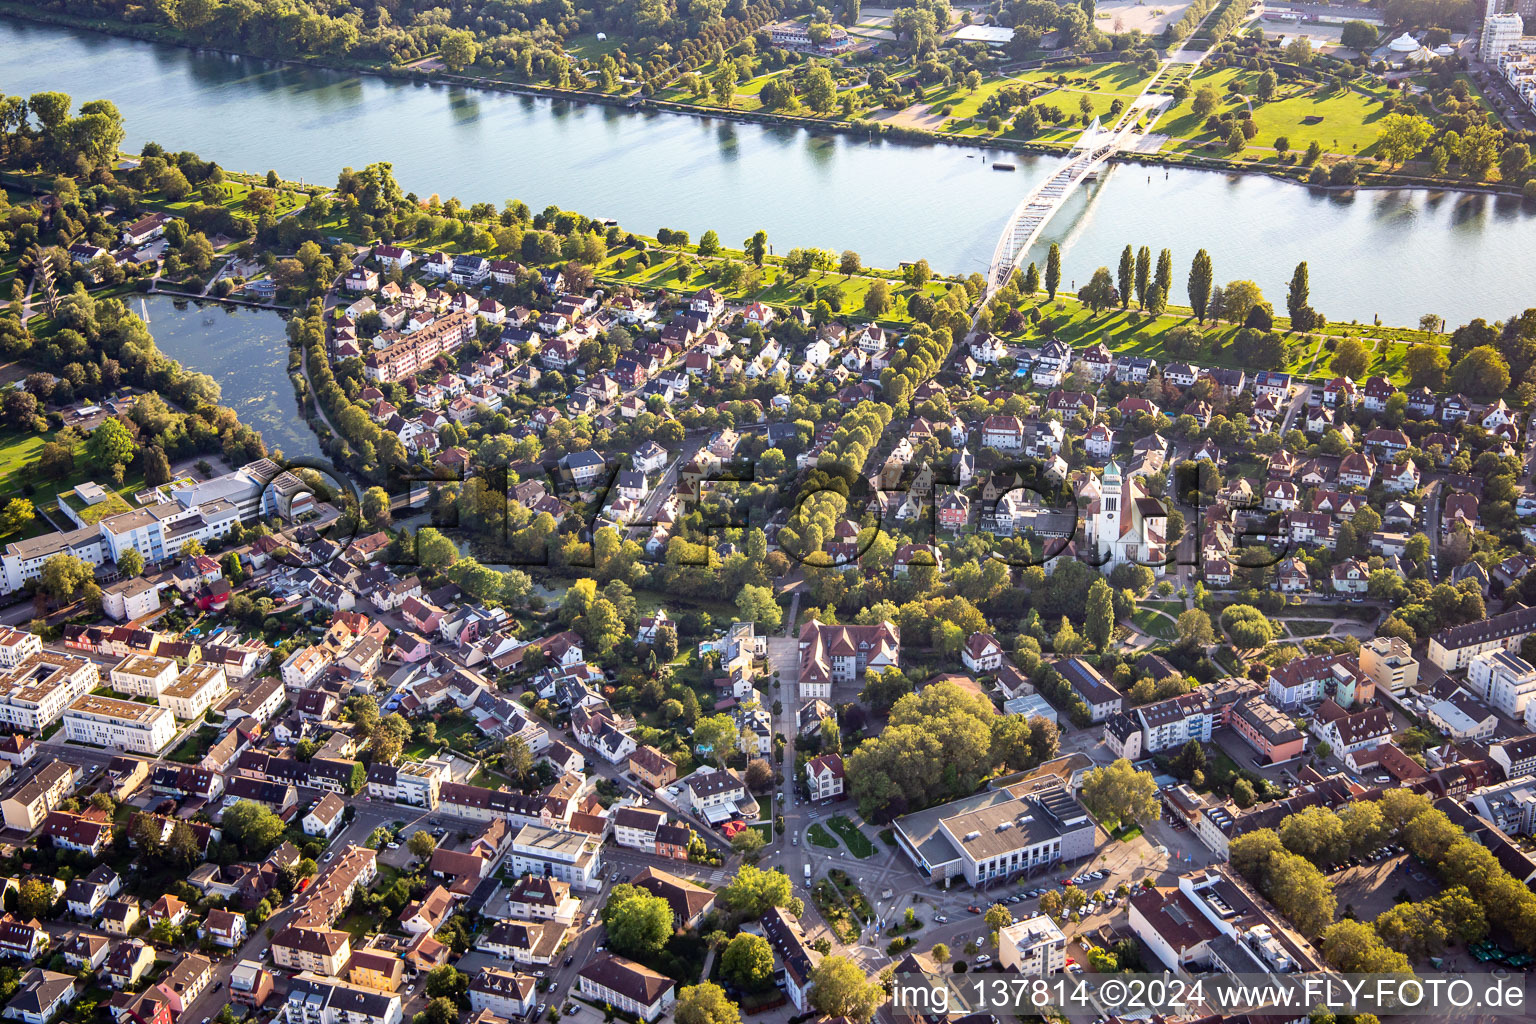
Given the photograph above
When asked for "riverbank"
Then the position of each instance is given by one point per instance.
(861, 129)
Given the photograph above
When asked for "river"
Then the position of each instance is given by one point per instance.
(246, 351)
(1396, 254)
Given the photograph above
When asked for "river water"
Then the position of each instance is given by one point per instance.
(246, 352)
(1393, 254)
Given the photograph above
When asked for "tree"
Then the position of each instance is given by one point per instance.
(1205, 101)
(1200, 276)
(757, 604)
(1127, 275)
(717, 737)
(723, 83)
(709, 243)
(1248, 627)
(35, 900)
(753, 892)
(1118, 793)
(1482, 372)
(1239, 297)
(1478, 149)
(1296, 296)
(748, 841)
(1427, 366)
(940, 953)
(62, 575)
(447, 982)
(376, 507)
(756, 247)
(1194, 627)
(877, 300)
(433, 550)
(363, 711)
(109, 444)
(459, 49)
(840, 989)
(705, 1003)
(820, 89)
(849, 263)
(1031, 282)
(251, 827)
(1265, 87)
(1351, 358)
(997, 917)
(1053, 270)
(748, 962)
(1514, 161)
(1400, 136)
(1143, 275)
(1099, 623)
(1359, 35)
(1099, 293)
(639, 923)
(18, 513)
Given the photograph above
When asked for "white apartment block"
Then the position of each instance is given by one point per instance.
(572, 857)
(17, 646)
(119, 724)
(34, 694)
(1501, 32)
(200, 687)
(1033, 945)
(1504, 680)
(304, 666)
(143, 675)
(316, 1000)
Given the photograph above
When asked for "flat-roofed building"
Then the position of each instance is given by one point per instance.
(34, 694)
(142, 675)
(16, 646)
(1032, 945)
(119, 724)
(1390, 663)
(996, 834)
(1267, 730)
(199, 688)
(574, 857)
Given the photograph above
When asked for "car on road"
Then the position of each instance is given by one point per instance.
(941, 919)
(410, 988)
(391, 846)
(570, 960)
(328, 856)
(794, 840)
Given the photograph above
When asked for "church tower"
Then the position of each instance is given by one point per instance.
(1109, 509)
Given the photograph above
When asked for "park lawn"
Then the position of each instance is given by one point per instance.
(19, 449)
(855, 839)
(588, 47)
(232, 192)
(1346, 120)
(1154, 623)
(1308, 627)
(818, 836)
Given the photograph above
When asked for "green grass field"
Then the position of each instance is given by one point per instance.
(1154, 623)
(857, 842)
(818, 836)
(1342, 122)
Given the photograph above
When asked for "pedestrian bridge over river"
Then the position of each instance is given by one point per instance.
(1090, 153)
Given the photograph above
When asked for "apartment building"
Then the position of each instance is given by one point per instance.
(1390, 664)
(16, 646)
(119, 724)
(824, 777)
(1032, 945)
(414, 352)
(316, 1000)
(26, 808)
(142, 675)
(1267, 730)
(1503, 679)
(507, 994)
(1453, 649)
(574, 857)
(833, 653)
(325, 900)
(627, 986)
(34, 694)
(199, 688)
(320, 950)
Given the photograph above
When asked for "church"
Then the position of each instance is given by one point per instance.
(1126, 524)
